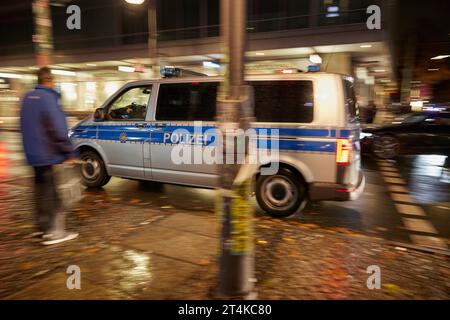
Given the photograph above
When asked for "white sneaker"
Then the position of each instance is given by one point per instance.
(37, 234)
(66, 237)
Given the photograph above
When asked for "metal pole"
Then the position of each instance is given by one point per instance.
(236, 278)
(152, 37)
(42, 36)
(237, 32)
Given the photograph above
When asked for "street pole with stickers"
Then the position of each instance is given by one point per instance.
(42, 36)
(235, 111)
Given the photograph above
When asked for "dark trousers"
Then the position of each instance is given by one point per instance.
(49, 213)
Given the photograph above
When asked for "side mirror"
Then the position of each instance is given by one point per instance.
(99, 115)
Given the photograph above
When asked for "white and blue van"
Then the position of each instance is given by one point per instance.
(315, 113)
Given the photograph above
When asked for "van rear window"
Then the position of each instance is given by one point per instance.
(350, 101)
(284, 101)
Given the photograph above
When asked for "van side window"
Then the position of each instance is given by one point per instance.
(130, 105)
(284, 101)
(187, 101)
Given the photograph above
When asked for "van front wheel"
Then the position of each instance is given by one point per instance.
(93, 171)
(282, 194)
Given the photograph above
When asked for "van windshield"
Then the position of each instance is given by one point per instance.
(350, 101)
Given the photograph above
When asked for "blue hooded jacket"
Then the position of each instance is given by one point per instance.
(44, 128)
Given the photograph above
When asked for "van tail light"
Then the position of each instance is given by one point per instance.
(343, 151)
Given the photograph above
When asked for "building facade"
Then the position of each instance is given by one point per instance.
(115, 35)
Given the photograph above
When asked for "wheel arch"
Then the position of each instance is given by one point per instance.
(88, 147)
(295, 165)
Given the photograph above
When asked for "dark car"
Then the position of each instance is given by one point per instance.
(415, 133)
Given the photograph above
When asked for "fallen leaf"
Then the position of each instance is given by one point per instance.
(26, 265)
(204, 262)
(92, 250)
(293, 254)
(390, 287)
(308, 225)
(68, 254)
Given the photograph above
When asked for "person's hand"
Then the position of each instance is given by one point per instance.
(71, 162)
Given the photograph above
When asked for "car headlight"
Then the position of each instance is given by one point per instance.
(363, 135)
(70, 133)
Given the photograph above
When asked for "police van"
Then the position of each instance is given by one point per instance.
(315, 115)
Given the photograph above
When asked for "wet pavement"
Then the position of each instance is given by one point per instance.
(136, 243)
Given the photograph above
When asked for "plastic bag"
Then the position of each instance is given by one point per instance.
(69, 185)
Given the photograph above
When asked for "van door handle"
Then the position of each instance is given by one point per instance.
(160, 125)
(140, 125)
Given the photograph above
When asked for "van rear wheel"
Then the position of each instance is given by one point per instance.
(93, 171)
(282, 194)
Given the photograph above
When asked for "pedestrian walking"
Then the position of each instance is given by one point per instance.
(46, 144)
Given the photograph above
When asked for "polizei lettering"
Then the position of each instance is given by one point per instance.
(185, 138)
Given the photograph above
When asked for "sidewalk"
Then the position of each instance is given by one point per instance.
(129, 249)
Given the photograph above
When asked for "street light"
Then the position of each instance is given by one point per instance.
(135, 1)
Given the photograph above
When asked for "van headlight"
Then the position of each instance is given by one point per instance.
(70, 133)
(363, 135)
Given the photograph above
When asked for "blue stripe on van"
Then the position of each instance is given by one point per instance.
(345, 133)
(131, 136)
(296, 145)
(107, 132)
(293, 132)
(87, 128)
(122, 127)
(85, 132)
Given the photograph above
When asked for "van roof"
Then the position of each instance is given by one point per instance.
(294, 76)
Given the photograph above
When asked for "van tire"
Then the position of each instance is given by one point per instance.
(93, 171)
(281, 194)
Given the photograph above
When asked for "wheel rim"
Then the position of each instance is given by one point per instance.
(279, 192)
(386, 147)
(90, 169)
